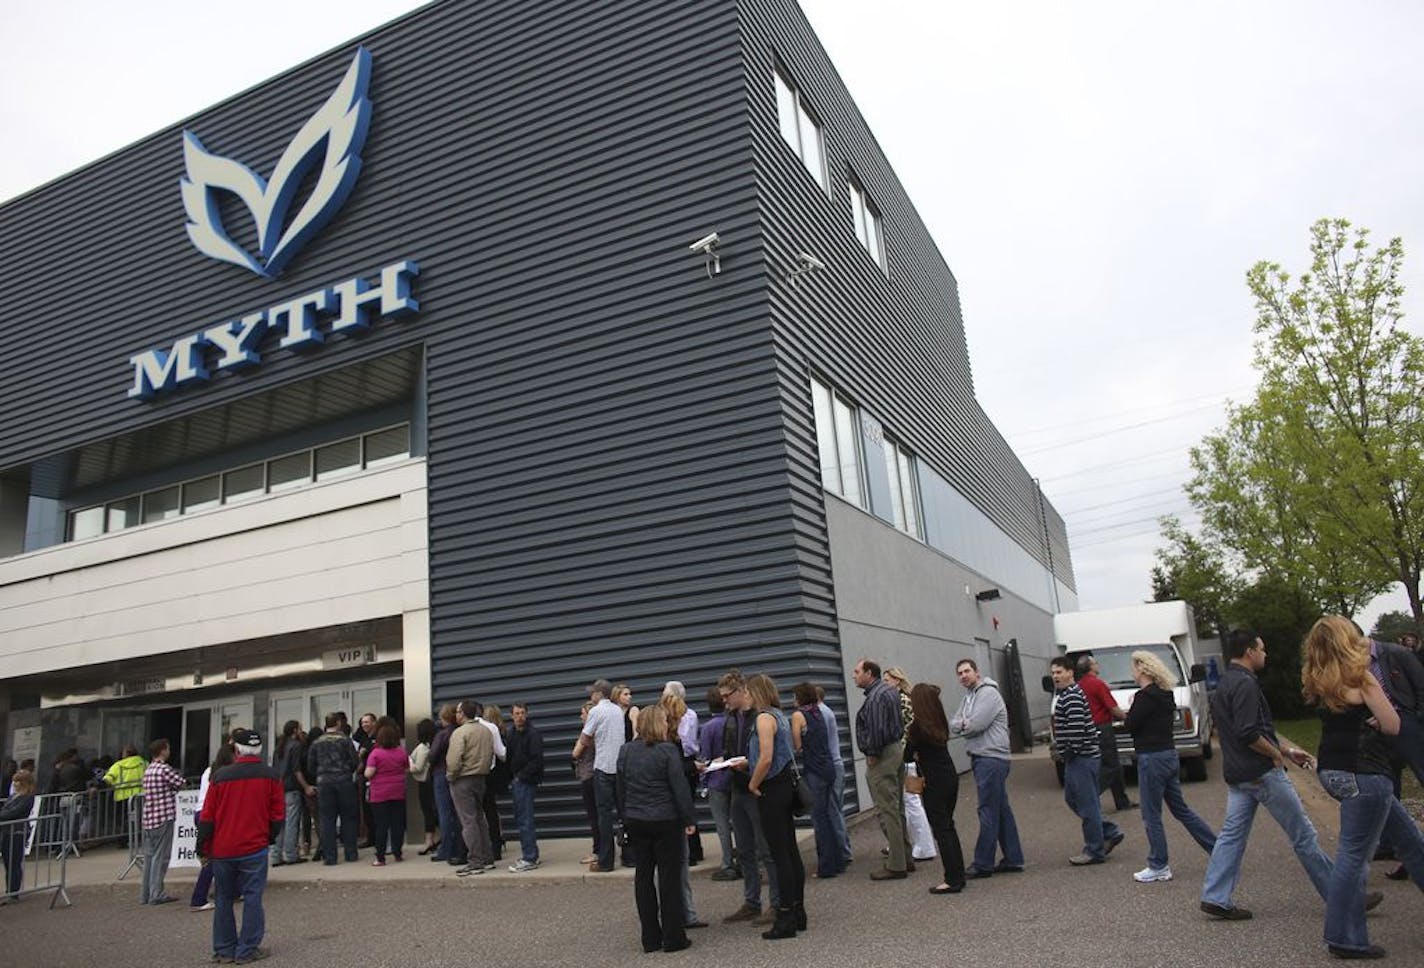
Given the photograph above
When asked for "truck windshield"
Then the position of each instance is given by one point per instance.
(1115, 664)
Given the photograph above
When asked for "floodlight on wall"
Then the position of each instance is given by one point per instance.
(805, 262)
(988, 595)
(707, 245)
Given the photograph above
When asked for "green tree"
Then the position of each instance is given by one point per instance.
(1391, 625)
(1281, 614)
(1190, 569)
(1314, 483)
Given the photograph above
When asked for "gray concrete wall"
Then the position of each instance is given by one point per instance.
(902, 603)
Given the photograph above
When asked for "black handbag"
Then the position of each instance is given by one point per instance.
(800, 794)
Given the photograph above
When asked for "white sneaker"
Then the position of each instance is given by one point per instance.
(1149, 874)
(520, 866)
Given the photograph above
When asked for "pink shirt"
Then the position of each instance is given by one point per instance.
(388, 783)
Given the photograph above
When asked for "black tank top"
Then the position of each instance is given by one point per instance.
(1347, 744)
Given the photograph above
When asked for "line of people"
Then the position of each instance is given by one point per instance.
(1370, 697)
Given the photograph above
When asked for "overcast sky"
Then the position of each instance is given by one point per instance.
(1099, 177)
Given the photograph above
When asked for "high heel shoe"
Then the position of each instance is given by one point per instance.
(428, 848)
(783, 927)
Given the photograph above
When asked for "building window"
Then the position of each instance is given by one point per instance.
(376, 449)
(122, 514)
(288, 472)
(838, 442)
(339, 459)
(387, 446)
(904, 497)
(800, 129)
(204, 493)
(160, 505)
(867, 224)
(86, 524)
(244, 482)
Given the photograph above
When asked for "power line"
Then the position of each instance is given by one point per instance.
(1117, 430)
(1133, 480)
(1116, 463)
(1219, 395)
(1109, 527)
(1176, 488)
(1104, 515)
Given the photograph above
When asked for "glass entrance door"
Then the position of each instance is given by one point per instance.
(368, 698)
(232, 713)
(323, 703)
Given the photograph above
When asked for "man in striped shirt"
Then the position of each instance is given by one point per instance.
(1076, 740)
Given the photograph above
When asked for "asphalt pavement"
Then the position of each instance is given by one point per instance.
(1051, 914)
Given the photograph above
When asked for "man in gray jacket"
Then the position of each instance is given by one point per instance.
(983, 720)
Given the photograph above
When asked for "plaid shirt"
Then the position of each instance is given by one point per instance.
(160, 781)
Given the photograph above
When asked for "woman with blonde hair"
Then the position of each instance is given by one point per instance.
(1354, 768)
(657, 812)
(623, 697)
(1151, 720)
(682, 721)
(917, 824)
(773, 783)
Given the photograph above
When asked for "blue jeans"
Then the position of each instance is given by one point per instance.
(292, 801)
(1367, 809)
(234, 877)
(1080, 791)
(838, 810)
(452, 845)
(997, 827)
(524, 819)
(721, 803)
(1274, 792)
(830, 857)
(1157, 779)
(605, 786)
(751, 847)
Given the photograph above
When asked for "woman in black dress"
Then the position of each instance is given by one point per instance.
(927, 745)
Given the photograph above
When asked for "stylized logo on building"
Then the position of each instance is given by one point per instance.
(332, 138)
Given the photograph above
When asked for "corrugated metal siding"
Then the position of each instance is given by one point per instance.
(610, 492)
(896, 344)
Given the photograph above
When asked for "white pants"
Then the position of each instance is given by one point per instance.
(917, 825)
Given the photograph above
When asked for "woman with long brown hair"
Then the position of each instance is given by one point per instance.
(927, 746)
(1354, 768)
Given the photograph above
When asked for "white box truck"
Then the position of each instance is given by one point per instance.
(1167, 629)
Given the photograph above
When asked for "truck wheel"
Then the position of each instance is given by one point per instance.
(1058, 768)
(1195, 769)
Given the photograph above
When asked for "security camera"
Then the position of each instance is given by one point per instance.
(705, 243)
(809, 262)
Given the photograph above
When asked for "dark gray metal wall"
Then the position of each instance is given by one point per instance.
(609, 493)
(621, 457)
(894, 343)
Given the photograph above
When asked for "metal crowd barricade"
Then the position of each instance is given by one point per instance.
(30, 866)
